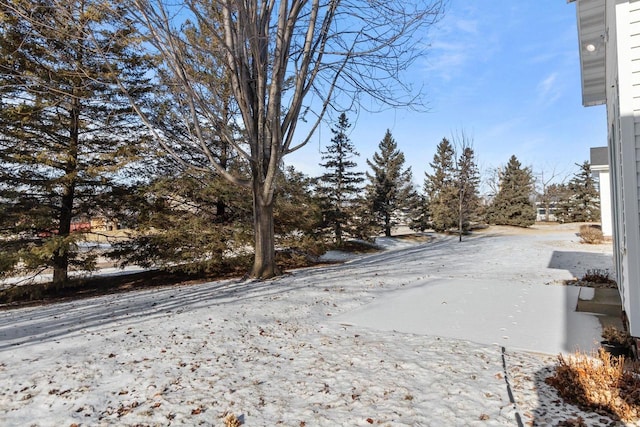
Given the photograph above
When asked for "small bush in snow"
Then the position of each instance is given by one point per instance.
(230, 420)
(601, 383)
(591, 234)
(598, 275)
(613, 335)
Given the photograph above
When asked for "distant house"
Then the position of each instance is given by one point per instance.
(541, 212)
(102, 223)
(600, 169)
(609, 43)
(80, 225)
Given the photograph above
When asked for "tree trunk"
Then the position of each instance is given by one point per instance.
(547, 208)
(61, 253)
(264, 262)
(460, 216)
(221, 211)
(387, 225)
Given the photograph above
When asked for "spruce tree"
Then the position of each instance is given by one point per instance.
(441, 189)
(297, 214)
(467, 181)
(452, 188)
(65, 128)
(340, 185)
(512, 205)
(177, 226)
(390, 190)
(581, 202)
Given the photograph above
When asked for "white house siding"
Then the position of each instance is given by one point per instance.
(605, 202)
(604, 184)
(623, 111)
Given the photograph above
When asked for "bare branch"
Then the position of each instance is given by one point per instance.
(273, 60)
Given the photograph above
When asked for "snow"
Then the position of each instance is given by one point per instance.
(520, 316)
(47, 277)
(410, 336)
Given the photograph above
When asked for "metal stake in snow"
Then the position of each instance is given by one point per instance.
(509, 392)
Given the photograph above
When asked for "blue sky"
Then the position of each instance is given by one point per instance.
(506, 73)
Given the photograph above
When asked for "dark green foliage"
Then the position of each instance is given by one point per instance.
(390, 191)
(189, 223)
(441, 188)
(198, 223)
(581, 202)
(467, 182)
(297, 214)
(512, 205)
(339, 187)
(421, 216)
(452, 188)
(65, 128)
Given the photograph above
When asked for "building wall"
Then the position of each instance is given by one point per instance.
(604, 184)
(623, 118)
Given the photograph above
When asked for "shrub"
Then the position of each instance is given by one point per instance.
(230, 420)
(613, 335)
(591, 234)
(601, 383)
(600, 276)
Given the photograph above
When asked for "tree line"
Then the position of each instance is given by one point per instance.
(175, 121)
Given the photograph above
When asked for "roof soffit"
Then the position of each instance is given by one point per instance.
(592, 40)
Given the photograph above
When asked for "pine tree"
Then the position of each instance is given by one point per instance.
(340, 185)
(179, 229)
(512, 205)
(581, 203)
(390, 190)
(420, 219)
(467, 181)
(65, 128)
(177, 226)
(297, 214)
(441, 189)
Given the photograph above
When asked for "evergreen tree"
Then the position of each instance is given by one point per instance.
(340, 185)
(421, 216)
(390, 190)
(441, 189)
(452, 188)
(467, 181)
(177, 226)
(297, 214)
(65, 128)
(179, 229)
(512, 205)
(582, 203)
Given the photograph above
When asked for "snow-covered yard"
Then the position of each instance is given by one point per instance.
(371, 341)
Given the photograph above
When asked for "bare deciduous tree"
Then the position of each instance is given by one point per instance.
(549, 189)
(283, 61)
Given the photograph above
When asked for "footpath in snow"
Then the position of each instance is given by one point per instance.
(411, 336)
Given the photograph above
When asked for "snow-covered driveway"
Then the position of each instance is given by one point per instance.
(502, 290)
(287, 352)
